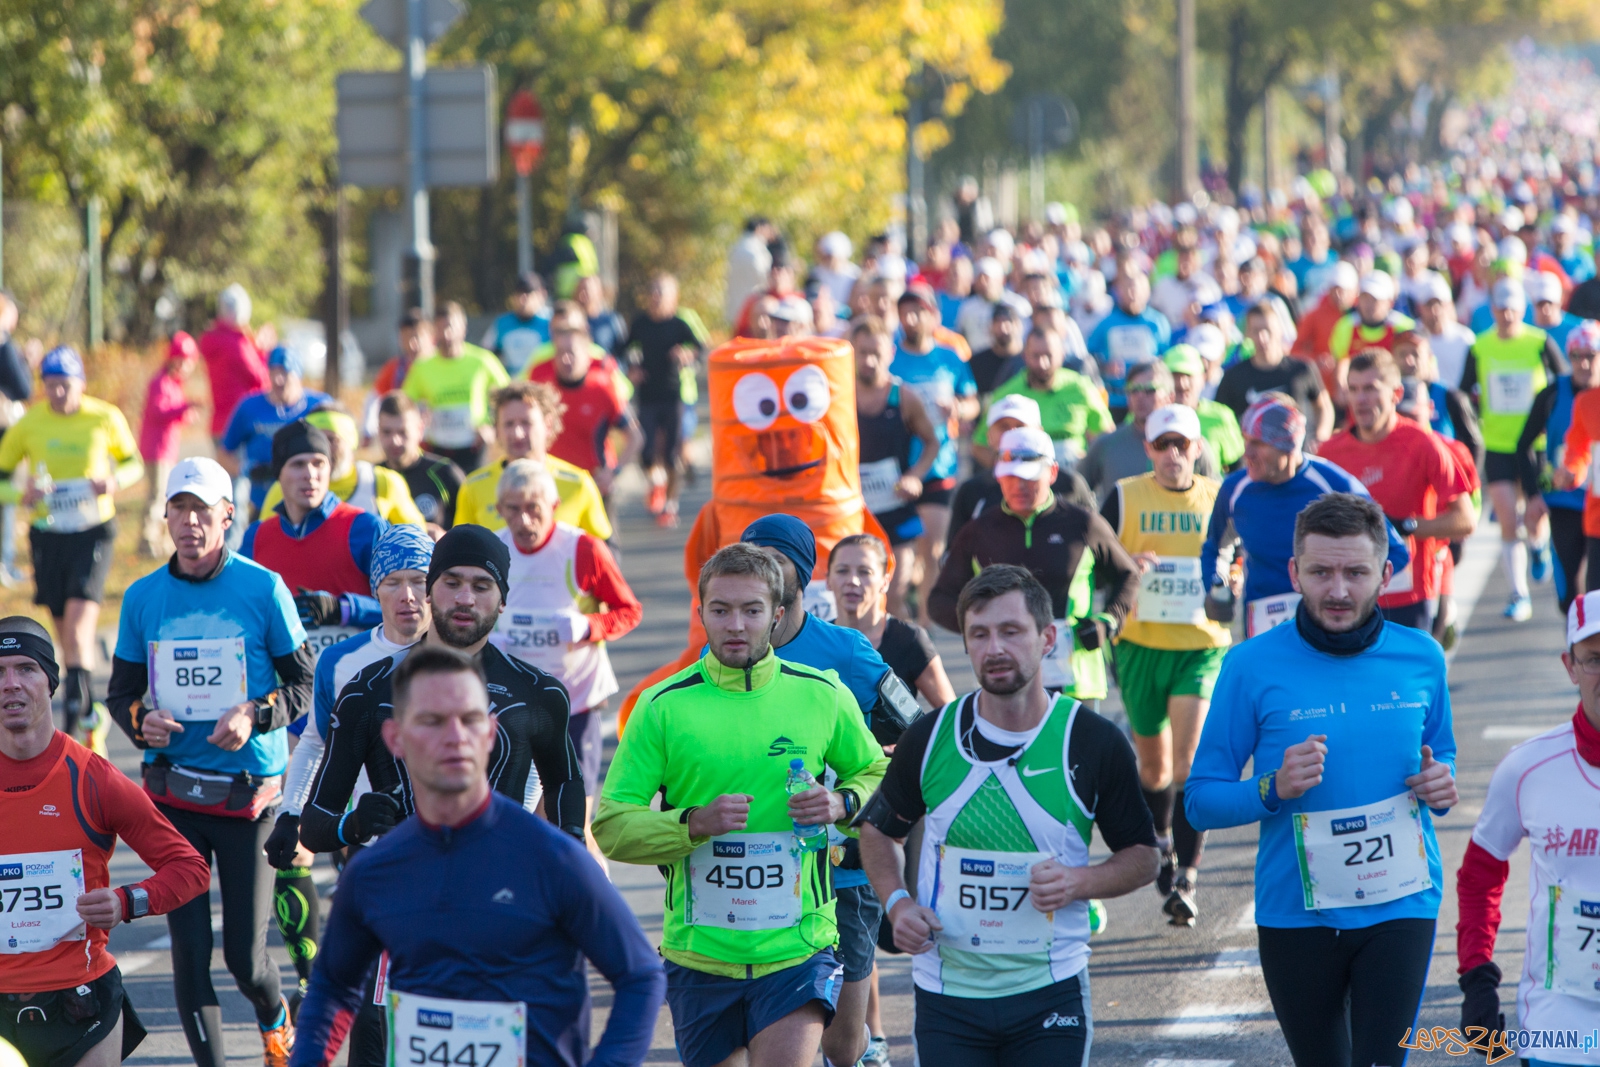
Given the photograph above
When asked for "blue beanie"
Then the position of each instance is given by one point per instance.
(61, 361)
(789, 536)
(400, 547)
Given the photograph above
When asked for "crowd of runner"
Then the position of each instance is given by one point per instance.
(1189, 464)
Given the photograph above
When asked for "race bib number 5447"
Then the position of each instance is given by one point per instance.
(436, 1032)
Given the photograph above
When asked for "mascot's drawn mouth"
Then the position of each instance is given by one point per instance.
(789, 452)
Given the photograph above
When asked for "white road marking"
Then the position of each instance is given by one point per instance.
(1235, 963)
(1247, 917)
(130, 962)
(1189, 1063)
(1517, 733)
(1212, 1020)
(1480, 556)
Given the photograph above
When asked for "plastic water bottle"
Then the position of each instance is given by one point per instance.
(45, 485)
(810, 838)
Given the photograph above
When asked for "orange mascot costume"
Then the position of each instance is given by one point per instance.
(783, 439)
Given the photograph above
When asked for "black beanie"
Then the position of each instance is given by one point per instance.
(22, 636)
(467, 545)
(296, 438)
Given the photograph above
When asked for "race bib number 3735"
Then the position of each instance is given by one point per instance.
(39, 894)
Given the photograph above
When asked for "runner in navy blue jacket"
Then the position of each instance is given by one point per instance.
(480, 906)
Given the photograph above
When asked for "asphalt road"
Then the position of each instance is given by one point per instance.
(1163, 996)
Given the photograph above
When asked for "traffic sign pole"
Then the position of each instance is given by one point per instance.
(524, 223)
(525, 142)
(418, 276)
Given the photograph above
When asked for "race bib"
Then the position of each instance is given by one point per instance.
(199, 679)
(1572, 965)
(1056, 670)
(983, 901)
(745, 882)
(1594, 471)
(1172, 591)
(1400, 581)
(935, 395)
(1130, 345)
(39, 894)
(322, 638)
(1356, 857)
(1270, 611)
(455, 1033)
(73, 506)
(1067, 453)
(519, 347)
(878, 480)
(452, 427)
(819, 600)
(1511, 392)
(539, 637)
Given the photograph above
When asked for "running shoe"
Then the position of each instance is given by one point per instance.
(297, 998)
(278, 1043)
(1166, 873)
(667, 517)
(1519, 609)
(877, 1054)
(658, 499)
(1539, 568)
(1180, 906)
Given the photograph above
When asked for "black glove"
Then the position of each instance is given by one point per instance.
(318, 608)
(1088, 633)
(283, 841)
(375, 815)
(1480, 1000)
(1406, 526)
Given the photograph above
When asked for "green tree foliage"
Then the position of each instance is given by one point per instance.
(205, 127)
(687, 115)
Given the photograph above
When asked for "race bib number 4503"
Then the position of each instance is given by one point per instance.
(436, 1032)
(745, 882)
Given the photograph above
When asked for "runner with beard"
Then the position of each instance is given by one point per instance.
(467, 586)
(1345, 719)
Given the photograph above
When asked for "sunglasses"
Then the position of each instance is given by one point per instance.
(1167, 444)
(1145, 389)
(1027, 456)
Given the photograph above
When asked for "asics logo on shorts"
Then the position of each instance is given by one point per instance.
(1061, 1021)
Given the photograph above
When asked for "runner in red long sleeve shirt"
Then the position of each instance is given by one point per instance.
(567, 599)
(1547, 790)
(62, 809)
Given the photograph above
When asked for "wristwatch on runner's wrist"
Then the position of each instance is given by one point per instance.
(138, 902)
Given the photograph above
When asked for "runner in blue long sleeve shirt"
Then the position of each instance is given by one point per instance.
(1257, 505)
(1344, 720)
(476, 902)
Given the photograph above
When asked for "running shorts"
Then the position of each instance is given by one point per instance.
(1047, 1027)
(712, 1016)
(858, 913)
(1148, 676)
(903, 525)
(938, 491)
(71, 566)
(662, 425)
(58, 1029)
(1500, 467)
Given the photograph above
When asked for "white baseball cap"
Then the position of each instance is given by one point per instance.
(1172, 418)
(1507, 293)
(1512, 250)
(1345, 276)
(1543, 286)
(835, 244)
(1512, 219)
(1027, 453)
(203, 477)
(1583, 618)
(1564, 224)
(1378, 285)
(989, 265)
(1025, 409)
(1436, 287)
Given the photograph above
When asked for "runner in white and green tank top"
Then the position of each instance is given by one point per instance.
(1010, 782)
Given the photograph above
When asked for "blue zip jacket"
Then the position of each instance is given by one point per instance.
(1377, 708)
(1262, 516)
(504, 908)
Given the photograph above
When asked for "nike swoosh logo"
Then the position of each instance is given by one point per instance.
(1029, 772)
